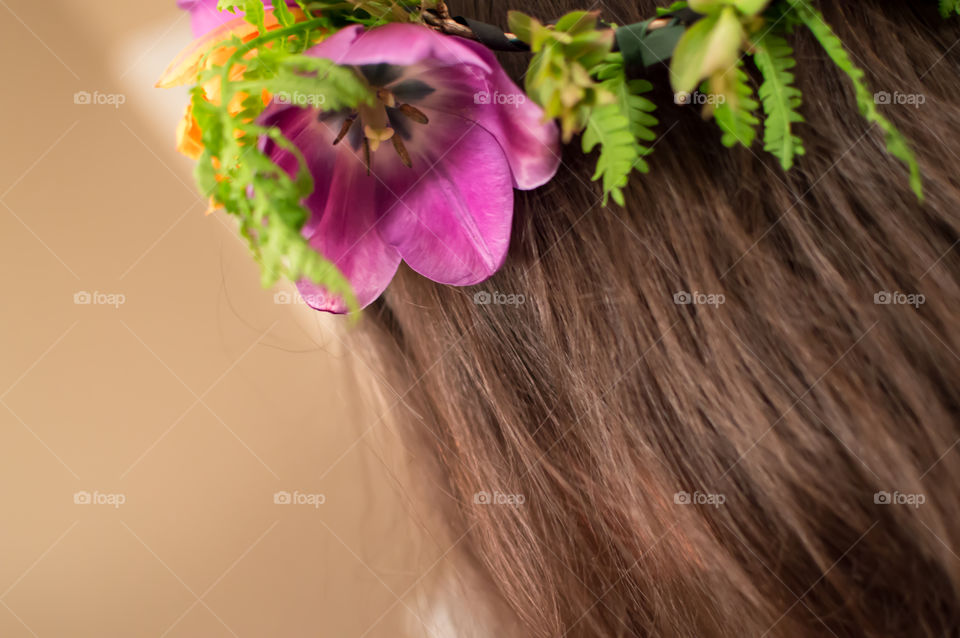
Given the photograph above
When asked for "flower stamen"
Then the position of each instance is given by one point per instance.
(414, 113)
(345, 128)
(401, 149)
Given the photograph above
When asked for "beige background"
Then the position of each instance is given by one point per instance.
(196, 399)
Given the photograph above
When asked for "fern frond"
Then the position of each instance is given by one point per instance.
(896, 143)
(637, 108)
(735, 116)
(949, 7)
(620, 128)
(781, 99)
(610, 128)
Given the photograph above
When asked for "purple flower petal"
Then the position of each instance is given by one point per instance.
(337, 46)
(448, 224)
(492, 100)
(399, 44)
(345, 232)
(204, 16)
(532, 147)
(342, 224)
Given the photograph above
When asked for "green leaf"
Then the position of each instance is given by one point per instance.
(619, 128)
(521, 25)
(712, 44)
(559, 76)
(774, 57)
(318, 82)
(688, 56)
(230, 5)
(205, 174)
(896, 143)
(577, 22)
(706, 7)
(750, 7)
(254, 14)
(949, 7)
(609, 128)
(283, 14)
(735, 116)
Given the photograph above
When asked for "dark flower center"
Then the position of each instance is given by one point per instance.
(392, 118)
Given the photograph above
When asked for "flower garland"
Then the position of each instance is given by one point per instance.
(347, 136)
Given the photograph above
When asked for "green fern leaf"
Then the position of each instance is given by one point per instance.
(619, 128)
(242, 179)
(774, 57)
(949, 7)
(895, 141)
(735, 115)
(283, 14)
(610, 128)
(632, 104)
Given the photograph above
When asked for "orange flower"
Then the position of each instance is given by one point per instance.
(205, 53)
(189, 63)
(188, 135)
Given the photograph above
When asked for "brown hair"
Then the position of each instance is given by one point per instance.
(716, 470)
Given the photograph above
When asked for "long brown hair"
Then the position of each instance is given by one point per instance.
(779, 457)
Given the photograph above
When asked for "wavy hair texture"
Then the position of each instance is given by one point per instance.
(799, 399)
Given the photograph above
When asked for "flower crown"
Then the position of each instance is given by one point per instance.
(346, 136)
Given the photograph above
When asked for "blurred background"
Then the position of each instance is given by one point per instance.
(183, 452)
